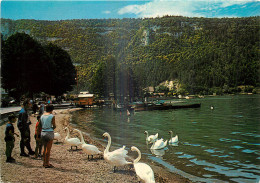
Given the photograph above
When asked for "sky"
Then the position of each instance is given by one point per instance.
(86, 9)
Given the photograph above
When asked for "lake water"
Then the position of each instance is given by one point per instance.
(219, 145)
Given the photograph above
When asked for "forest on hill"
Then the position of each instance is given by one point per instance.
(124, 56)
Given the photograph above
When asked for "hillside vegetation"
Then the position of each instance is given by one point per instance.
(124, 56)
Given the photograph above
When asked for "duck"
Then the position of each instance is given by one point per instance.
(117, 157)
(212, 107)
(159, 144)
(89, 149)
(173, 140)
(152, 138)
(74, 142)
(143, 171)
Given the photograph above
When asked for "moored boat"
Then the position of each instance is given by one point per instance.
(152, 106)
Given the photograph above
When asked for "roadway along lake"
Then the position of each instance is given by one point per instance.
(220, 144)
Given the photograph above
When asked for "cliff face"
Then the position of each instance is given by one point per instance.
(79, 34)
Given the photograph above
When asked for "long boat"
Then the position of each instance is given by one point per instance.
(152, 106)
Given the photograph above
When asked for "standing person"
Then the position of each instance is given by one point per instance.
(48, 125)
(34, 108)
(24, 128)
(37, 136)
(9, 138)
(41, 110)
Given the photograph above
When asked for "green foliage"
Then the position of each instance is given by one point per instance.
(62, 72)
(28, 68)
(24, 66)
(206, 54)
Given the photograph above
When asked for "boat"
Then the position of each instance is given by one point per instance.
(84, 99)
(152, 106)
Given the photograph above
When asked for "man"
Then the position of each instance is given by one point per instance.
(24, 128)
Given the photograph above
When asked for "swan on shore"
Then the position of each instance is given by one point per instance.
(173, 140)
(117, 157)
(57, 136)
(159, 144)
(73, 142)
(143, 171)
(152, 138)
(89, 149)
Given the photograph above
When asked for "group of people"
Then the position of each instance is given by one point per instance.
(44, 133)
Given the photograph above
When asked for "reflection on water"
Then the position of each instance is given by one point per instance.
(214, 145)
(159, 152)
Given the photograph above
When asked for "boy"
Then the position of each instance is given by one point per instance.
(37, 137)
(9, 138)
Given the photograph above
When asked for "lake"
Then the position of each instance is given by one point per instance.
(215, 145)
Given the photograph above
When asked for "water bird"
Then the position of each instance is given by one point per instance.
(89, 149)
(116, 157)
(159, 144)
(212, 107)
(152, 138)
(128, 112)
(143, 171)
(173, 140)
(57, 136)
(74, 142)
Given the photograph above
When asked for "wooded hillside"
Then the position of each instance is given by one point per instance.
(124, 56)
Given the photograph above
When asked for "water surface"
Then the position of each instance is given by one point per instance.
(219, 145)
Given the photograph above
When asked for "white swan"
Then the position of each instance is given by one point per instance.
(89, 149)
(71, 141)
(173, 140)
(57, 136)
(159, 144)
(116, 157)
(152, 138)
(143, 171)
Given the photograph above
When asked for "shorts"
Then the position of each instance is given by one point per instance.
(47, 136)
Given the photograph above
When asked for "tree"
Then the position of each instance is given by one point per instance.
(24, 66)
(62, 72)
(97, 85)
(29, 68)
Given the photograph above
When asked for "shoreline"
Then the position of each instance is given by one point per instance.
(69, 166)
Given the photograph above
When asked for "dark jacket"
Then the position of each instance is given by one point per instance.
(23, 120)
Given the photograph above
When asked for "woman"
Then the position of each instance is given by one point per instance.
(47, 134)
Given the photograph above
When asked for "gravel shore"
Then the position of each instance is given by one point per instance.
(69, 166)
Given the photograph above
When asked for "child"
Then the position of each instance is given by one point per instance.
(9, 138)
(37, 136)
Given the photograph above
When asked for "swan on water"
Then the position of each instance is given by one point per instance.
(143, 171)
(117, 157)
(159, 144)
(74, 142)
(89, 149)
(212, 107)
(173, 140)
(152, 138)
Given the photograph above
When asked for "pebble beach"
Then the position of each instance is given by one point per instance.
(69, 165)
